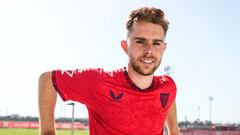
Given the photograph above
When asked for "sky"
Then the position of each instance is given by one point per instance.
(203, 50)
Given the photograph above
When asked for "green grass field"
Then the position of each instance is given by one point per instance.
(14, 131)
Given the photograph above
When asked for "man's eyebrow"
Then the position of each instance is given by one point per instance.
(144, 39)
(158, 40)
(139, 38)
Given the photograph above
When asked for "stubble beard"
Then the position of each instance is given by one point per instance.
(143, 70)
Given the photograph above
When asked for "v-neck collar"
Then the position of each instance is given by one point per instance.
(134, 86)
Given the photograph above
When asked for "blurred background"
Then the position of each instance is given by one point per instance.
(202, 52)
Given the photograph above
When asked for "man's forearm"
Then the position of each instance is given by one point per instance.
(172, 123)
(47, 100)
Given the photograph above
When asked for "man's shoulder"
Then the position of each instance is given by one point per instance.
(113, 72)
(163, 76)
(165, 79)
(90, 71)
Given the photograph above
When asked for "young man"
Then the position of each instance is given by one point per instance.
(127, 101)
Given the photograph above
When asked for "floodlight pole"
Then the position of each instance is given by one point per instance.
(199, 113)
(210, 108)
(72, 131)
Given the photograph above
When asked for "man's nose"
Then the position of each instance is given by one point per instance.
(148, 49)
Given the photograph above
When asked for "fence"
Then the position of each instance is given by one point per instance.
(25, 124)
(209, 132)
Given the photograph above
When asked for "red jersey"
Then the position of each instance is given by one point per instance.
(116, 106)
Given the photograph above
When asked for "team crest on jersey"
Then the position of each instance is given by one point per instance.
(164, 99)
(116, 97)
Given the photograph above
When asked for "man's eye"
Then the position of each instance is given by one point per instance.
(140, 42)
(157, 43)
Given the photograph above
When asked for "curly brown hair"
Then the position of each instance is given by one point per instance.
(149, 15)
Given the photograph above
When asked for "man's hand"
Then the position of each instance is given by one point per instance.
(172, 124)
(47, 100)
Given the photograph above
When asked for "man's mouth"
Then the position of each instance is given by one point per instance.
(147, 60)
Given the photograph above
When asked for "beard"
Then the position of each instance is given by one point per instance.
(141, 69)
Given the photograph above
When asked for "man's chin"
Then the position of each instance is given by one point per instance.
(143, 70)
(146, 72)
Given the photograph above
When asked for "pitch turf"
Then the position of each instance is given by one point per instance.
(14, 131)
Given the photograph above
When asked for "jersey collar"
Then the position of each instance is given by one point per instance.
(134, 86)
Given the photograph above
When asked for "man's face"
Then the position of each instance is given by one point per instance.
(145, 47)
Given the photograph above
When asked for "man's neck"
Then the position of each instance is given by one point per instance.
(139, 80)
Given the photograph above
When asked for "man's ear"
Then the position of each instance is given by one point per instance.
(124, 46)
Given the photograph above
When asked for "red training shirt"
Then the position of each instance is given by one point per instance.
(116, 106)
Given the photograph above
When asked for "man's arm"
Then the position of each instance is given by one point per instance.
(172, 124)
(47, 96)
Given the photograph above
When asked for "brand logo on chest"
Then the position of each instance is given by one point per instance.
(116, 96)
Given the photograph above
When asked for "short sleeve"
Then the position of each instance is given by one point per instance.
(169, 88)
(76, 85)
(171, 82)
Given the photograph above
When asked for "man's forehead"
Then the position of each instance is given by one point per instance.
(147, 25)
(147, 30)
